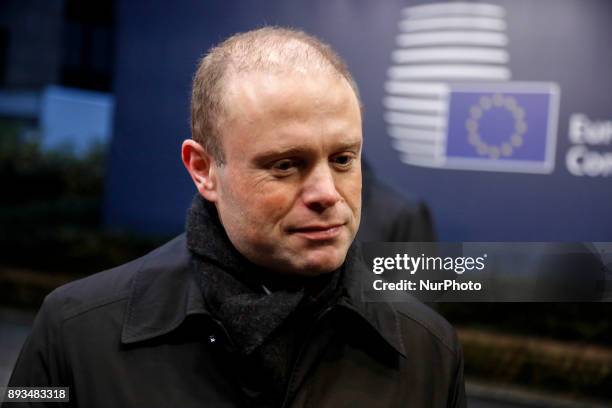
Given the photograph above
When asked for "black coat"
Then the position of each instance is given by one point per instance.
(387, 216)
(139, 335)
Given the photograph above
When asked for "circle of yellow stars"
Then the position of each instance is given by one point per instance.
(485, 104)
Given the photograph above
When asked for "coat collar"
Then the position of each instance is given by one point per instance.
(165, 291)
(380, 316)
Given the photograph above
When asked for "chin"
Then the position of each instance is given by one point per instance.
(323, 263)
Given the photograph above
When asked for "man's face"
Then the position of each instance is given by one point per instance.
(289, 193)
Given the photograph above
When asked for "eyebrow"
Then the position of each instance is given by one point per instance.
(350, 145)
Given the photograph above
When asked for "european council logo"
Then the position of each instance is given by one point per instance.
(449, 100)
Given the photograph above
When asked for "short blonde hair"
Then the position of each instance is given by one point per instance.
(268, 49)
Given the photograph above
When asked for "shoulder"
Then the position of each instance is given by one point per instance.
(415, 323)
(389, 216)
(420, 321)
(107, 287)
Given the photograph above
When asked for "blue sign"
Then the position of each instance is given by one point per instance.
(501, 128)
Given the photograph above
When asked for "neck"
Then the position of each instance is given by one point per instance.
(207, 238)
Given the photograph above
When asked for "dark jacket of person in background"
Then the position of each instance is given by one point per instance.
(386, 216)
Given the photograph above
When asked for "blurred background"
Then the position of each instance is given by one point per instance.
(484, 121)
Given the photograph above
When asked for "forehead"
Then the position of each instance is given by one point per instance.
(289, 108)
(289, 93)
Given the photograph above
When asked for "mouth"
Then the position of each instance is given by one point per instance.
(318, 232)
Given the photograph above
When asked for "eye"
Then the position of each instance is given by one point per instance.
(285, 166)
(343, 161)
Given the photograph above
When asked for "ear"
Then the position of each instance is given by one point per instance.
(201, 167)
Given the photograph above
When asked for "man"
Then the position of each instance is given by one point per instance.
(258, 304)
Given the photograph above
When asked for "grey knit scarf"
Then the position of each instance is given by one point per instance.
(266, 315)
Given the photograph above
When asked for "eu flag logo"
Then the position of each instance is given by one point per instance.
(450, 102)
(504, 127)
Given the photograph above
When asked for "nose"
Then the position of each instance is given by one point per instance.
(320, 190)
